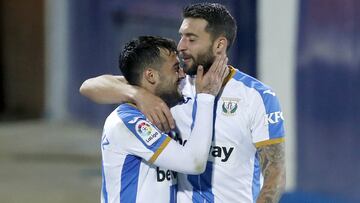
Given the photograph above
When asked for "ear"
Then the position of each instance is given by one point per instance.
(220, 45)
(150, 75)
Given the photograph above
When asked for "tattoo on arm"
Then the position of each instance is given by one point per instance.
(272, 162)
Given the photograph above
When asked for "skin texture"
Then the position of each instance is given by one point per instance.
(272, 162)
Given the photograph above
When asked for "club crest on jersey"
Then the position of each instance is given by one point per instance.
(147, 132)
(229, 106)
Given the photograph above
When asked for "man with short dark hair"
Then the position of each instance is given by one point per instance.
(246, 161)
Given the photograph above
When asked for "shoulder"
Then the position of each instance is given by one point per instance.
(257, 92)
(250, 82)
(124, 115)
(128, 111)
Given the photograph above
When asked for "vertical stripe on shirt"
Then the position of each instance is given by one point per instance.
(173, 191)
(103, 189)
(129, 179)
(202, 184)
(256, 178)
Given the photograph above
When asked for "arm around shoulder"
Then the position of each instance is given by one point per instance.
(107, 89)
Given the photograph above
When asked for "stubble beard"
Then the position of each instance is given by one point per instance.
(206, 60)
(171, 97)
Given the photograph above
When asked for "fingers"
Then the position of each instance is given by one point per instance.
(217, 65)
(163, 121)
(199, 77)
(200, 72)
(156, 111)
(170, 120)
(224, 71)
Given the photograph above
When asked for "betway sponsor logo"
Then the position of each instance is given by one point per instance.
(273, 118)
(221, 152)
(162, 175)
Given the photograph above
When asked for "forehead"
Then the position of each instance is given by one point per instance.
(193, 26)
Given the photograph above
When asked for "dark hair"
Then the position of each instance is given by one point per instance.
(140, 53)
(220, 21)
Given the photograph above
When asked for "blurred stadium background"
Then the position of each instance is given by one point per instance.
(307, 50)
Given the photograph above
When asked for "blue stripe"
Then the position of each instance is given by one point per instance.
(173, 192)
(103, 189)
(127, 114)
(202, 184)
(129, 179)
(271, 102)
(256, 178)
(194, 113)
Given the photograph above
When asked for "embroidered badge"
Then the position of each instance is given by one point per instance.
(147, 132)
(229, 106)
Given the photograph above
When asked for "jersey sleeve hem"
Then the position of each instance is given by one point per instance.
(159, 150)
(269, 142)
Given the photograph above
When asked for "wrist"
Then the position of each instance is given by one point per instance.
(137, 94)
(134, 94)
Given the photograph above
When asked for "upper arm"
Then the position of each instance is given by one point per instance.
(272, 163)
(271, 157)
(107, 89)
(267, 127)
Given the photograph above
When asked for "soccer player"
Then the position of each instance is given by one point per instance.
(246, 159)
(137, 157)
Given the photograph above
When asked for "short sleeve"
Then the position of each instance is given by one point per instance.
(267, 123)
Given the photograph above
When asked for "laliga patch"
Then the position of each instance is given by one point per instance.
(229, 106)
(147, 132)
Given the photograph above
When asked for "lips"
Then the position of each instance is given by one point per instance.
(187, 59)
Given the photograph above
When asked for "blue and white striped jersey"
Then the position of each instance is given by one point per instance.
(129, 145)
(132, 148)
(246, 115)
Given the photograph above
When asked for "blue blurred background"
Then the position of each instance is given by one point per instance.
(308, 51)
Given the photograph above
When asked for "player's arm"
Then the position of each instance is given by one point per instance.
(110, 89)
(272, 162)
(192, 158)
(268, 134)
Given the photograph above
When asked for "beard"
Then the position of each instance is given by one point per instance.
(170, 94)
(206, 60)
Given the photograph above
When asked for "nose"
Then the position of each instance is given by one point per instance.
(181, 45)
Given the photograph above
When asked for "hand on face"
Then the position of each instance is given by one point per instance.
(212, 81)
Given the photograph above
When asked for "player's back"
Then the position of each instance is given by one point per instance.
(126, 174)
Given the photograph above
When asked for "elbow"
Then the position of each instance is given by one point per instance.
(199, 166)
(90, 91)
(85, 88)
